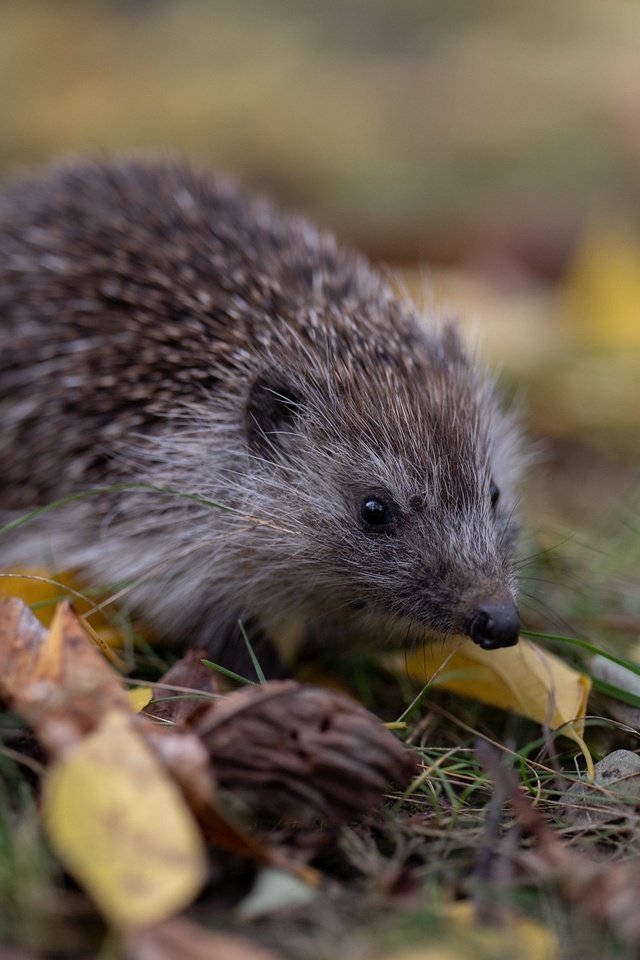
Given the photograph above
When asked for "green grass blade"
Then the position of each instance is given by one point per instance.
(587, 647)
(254, 660)
(226, 673)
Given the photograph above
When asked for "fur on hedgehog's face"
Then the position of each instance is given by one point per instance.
(417, 527)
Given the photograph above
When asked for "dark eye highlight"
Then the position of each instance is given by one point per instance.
(376, 513)
(494, 493)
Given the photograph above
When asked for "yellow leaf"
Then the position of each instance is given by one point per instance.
(140, 697)
(121, 827)
(42, 589)
(525, 678)
(38, 587)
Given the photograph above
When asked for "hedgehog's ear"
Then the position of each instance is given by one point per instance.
(273, 407)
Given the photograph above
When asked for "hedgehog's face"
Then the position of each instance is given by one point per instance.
(408, 519)
(446, 568)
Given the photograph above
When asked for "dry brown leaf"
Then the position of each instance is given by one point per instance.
(55, 679)
(172, 701)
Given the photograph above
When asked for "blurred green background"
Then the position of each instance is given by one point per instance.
(472, 128)
(488, 151)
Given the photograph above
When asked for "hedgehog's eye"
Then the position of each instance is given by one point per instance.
(494, 493)
(376, 513)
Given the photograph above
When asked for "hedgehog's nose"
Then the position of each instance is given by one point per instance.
(493, 625)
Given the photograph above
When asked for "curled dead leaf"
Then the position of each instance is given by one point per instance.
(56, 679)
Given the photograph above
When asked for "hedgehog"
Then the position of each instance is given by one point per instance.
(237, 418)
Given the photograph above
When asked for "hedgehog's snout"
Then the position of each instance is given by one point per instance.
(492, 625)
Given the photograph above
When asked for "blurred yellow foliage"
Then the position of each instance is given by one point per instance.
(602, 289)
(467, 939)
